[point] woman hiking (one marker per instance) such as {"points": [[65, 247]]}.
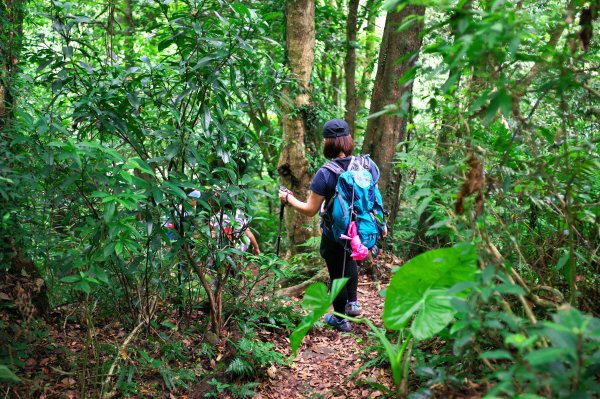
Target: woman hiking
{"points": [[338, 147]]}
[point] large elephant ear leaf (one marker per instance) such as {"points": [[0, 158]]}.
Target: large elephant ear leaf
{"points": [[422, 286], [434, 314]]}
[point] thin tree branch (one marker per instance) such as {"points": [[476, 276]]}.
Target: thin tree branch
{"points": [[111, 371]]}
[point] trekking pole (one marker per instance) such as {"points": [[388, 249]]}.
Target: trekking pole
{"points": [[279, 230], [352, 217]]}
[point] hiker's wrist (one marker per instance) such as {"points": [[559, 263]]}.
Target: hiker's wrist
{"points": [[284, 194]]}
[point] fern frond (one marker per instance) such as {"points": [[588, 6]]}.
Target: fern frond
{"points": [[243, 391], [239, 366]]}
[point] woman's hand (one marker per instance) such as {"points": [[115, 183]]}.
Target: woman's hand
{"points": [[308, 208], [284, 195]]}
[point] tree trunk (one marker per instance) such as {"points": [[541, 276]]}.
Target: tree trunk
{"points": [[335, 86], [11, 33], [128, 33], [385, 132], [368, 59], [449, 124], [293, 165], [350, 65]]}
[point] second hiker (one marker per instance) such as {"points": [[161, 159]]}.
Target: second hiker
{"points": [[338, 147]]}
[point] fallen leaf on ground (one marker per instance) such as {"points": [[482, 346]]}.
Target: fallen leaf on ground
{"points": [[68, 381]]}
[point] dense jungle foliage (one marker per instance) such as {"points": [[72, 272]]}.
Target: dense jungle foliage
{"points": [[112, 112]]}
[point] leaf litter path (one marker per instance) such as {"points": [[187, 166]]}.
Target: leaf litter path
{"points": [[327, 359]]}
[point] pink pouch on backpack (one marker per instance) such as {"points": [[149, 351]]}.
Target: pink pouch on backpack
{"points": [[359, 251]]}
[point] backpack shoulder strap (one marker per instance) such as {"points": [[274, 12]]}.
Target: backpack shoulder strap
{"points": [[356, 163], [337, 170], [367, 162], [334, 168]]}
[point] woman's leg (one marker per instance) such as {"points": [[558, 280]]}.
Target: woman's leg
{"points": [[334, 255]]}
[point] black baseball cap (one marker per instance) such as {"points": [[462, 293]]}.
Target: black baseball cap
{"points": [[335, 128]]}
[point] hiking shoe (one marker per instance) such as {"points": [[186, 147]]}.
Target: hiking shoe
{"points": [[352, 309], [337, 323], [375, 251]]}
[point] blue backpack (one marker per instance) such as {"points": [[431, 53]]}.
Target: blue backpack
{"points": [[358, 198]]}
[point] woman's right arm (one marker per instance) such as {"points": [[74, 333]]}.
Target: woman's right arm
{"points": [[308, 208]]}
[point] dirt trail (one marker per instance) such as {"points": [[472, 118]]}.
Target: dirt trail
{"points": [[327, 359]]}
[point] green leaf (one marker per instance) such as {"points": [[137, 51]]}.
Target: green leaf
{"points": [[422, 285], [336, 287], [423, 205], [206, 119], [71, 279], [496, 355], [512, 289], [492, 109], [520, 341], [113, 154], [562, 261], [67, 51], [133, 100], [165, 43], [87, 67], [174, 190], [149, 227], [241, 9], [441, 223], [99, 273], [300, 331], [44, 65], [7, 375], [423, 192], [84, 286], [315, 298], [505, 101], [544, 355], [450, 82], [109, 211], [394, 353], [435, 314], [478, 103], [119, 248], [513, 47], [91, 280], [108, 249], [158, 195], [168, 324], [142, 165], [202, 62]]}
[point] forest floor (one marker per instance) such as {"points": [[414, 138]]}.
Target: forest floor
{"points": [[329, 363], [334, 365], [57, 356], [64, 358]]}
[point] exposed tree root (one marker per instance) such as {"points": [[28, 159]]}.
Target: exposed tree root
{"points": [[298, 290]]}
